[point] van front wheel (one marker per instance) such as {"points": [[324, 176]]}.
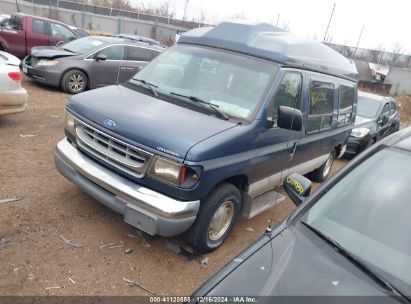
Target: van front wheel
{"points": [[319, 175], [216, 218]]}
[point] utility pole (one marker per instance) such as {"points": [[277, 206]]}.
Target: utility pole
{"points": [[329, 22], [185, 10], [358, 42], [278, 19]]}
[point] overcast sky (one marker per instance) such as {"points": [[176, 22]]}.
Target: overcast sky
{"points": [[385, 22]]}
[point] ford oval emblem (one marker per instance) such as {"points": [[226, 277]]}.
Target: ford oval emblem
{"points": [[109, 123]]}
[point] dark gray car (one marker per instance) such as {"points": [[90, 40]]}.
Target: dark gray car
{"points": [[88, 62], [377, 117], [350, 238]]}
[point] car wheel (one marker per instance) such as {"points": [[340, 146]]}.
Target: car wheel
{"points": [[74, 81], [216, 218], [319, 175]]}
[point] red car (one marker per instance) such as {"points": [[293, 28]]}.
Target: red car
{"points": [[24, 32]]}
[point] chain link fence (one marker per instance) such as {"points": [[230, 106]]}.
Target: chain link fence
{"points": [[107, 11]]}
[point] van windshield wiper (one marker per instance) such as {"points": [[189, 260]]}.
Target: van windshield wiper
{"points": [[358, 262], [148, 85], [209, 104]]}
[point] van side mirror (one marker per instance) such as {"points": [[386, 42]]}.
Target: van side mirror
{"points": [[101, 57], [290, 118], [297, 187]]}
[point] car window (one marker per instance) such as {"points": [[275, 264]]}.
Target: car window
{"points": [[386, 110], [345, 101], [60, 31], [113, 52], [16, 22], [321, 106], [288, 93], [393, 108], [135, 53], [367, 212], [40, 27]]}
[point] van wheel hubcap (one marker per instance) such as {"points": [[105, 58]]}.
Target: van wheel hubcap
{"points": [[221, 220], [76, 82], [328, 165]]}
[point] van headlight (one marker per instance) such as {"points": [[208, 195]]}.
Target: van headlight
{"points": [[360, 132], [174, 173], [69, 126]]}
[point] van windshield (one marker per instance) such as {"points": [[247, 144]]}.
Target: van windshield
{"points": [[236, 84]]}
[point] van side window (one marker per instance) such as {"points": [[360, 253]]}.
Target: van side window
{"points": [[40, 27], [345, 101], [288, 93], [321, 106]]}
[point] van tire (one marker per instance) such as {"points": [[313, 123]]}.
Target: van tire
{"points": [[201, 236], [319, 175], [71, 76]]}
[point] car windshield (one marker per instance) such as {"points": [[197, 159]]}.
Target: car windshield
{"points": [[367, 107], [368, 213], [82, 45], [235, 84]]}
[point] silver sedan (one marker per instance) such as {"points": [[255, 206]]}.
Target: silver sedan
{"points": [[12, 96]]}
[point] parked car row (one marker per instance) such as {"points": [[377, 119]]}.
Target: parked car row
{"points": [[206, 131]]}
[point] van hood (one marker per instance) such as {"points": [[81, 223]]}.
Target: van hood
{"points": [[50, 52], [295, 263], [146, 121]]}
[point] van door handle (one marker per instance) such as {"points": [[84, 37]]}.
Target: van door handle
{"points": [[294, 150]]}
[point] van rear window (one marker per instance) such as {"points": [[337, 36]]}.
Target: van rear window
{"points": [[321, 106]]}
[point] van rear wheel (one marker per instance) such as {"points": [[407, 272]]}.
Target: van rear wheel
{"points": [[216, 218], [319, 175]]}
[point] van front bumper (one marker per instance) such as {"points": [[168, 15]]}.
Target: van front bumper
{"points": [[149, 211]]}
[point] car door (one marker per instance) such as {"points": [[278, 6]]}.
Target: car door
{"points": [[135, 58], [106, 72], [280, 143], [394, 117], [40, 34], [15, 37], [384, 123]]}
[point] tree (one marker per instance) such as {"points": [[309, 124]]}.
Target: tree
{"points": [[397, 50]]}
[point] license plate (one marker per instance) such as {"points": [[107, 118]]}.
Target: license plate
{"points": [[139, 219], [25, 69]]}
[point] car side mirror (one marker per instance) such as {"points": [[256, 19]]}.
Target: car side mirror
{"points": [[101, 57], [383, 120], [297, 187], [289, 118]]}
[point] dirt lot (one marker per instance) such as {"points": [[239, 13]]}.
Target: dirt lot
{"points": [[34, 258]]}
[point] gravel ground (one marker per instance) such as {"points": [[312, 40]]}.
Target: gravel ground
{"points": [[32, 255]]}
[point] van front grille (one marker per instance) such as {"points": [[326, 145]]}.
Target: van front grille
{"points": [[130, 159]]}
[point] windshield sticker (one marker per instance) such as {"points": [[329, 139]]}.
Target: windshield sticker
{"points": [[96, 43]]}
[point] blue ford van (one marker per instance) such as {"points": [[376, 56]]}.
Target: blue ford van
{"points": [[207, 130]]}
